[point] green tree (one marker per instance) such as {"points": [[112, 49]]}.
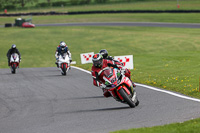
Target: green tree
{"points": [[17, 2], [49, 1], [101, 1]]}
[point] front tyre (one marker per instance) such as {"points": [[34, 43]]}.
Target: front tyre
{"points": [[63, 69], [13, 69], [126, 98]]}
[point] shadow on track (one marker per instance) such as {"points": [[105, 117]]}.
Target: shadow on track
{"points": [[93, 110], [87, 97]]}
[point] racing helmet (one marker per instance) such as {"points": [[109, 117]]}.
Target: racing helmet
{"points": [[97, 60], [13, 46], [104, 53], [62, 45]]}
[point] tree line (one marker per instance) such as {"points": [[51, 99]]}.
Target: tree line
{"points": [[12, 4]]}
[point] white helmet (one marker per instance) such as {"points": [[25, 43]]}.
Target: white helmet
{"points": [[62, 45], [13, 46]]}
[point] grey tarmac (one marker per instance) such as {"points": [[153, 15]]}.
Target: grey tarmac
{"points": [[41, 100]]}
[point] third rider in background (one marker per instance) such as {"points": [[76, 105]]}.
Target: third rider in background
{"points": [[12, 50]]}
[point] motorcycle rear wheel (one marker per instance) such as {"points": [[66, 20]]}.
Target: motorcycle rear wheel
{"points": [[126, 98]]}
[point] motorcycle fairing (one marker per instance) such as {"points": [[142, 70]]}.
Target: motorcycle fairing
{"points": [[14, 59]]}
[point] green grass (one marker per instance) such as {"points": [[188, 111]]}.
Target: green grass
{"points": [[163, 57], [192, 126], [139, 5]]}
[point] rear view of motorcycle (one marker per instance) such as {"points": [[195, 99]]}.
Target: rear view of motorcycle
{"points": [[64, 63], [120, 87], [14, 62]]}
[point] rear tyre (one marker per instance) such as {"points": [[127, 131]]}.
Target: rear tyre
{"points": [[126, 98], [13, 69], [64, 69]]}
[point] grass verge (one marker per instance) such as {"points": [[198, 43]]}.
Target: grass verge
{"points": [[191, 126]]}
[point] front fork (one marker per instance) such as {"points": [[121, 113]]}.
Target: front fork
{"points": [[12, 63], [129, 90]]}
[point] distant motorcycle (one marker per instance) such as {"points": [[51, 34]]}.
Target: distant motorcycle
{"points": [[14, 62], [64, 63], [119, 86]]}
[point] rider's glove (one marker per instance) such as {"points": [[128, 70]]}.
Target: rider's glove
{"points": [[102, 86], [123, 69], [70, 59]]}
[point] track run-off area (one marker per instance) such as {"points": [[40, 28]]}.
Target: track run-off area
{"points": [[41, 100]]}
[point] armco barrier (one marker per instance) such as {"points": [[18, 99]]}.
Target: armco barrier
{"points": [[8, 25], [100, 12]]}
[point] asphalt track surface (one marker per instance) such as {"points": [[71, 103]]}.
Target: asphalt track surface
{"points": [[41, 100], [143, 24]]}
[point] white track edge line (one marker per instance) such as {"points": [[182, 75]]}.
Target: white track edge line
{"points": [[152, 88]]}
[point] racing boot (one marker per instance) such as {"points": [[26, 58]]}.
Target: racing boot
{"points": [[57, 64], [133, 84], [106, 93]]}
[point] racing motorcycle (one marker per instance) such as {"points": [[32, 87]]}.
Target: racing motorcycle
{"points": [[14, 62], [64, 63], [119, 86]]}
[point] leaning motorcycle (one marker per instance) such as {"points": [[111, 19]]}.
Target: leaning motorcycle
{"points": [[64, 63], [119, 86], [14, 62]]}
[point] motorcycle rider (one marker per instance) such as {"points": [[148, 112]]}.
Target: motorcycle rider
{"points": [[98, 64], [104, 53], [61, 49], [12, 50]]}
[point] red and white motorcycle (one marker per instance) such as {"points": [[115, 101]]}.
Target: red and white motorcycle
{"points": [[64, 63], [14, 62], [119, 86]]}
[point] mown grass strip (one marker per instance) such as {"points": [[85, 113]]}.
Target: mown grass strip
{"points": [[146, 17], [136, 5]]}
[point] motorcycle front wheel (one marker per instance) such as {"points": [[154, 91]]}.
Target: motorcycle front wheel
{"points": [[13, 69], [64, 69], [126, 98]]}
